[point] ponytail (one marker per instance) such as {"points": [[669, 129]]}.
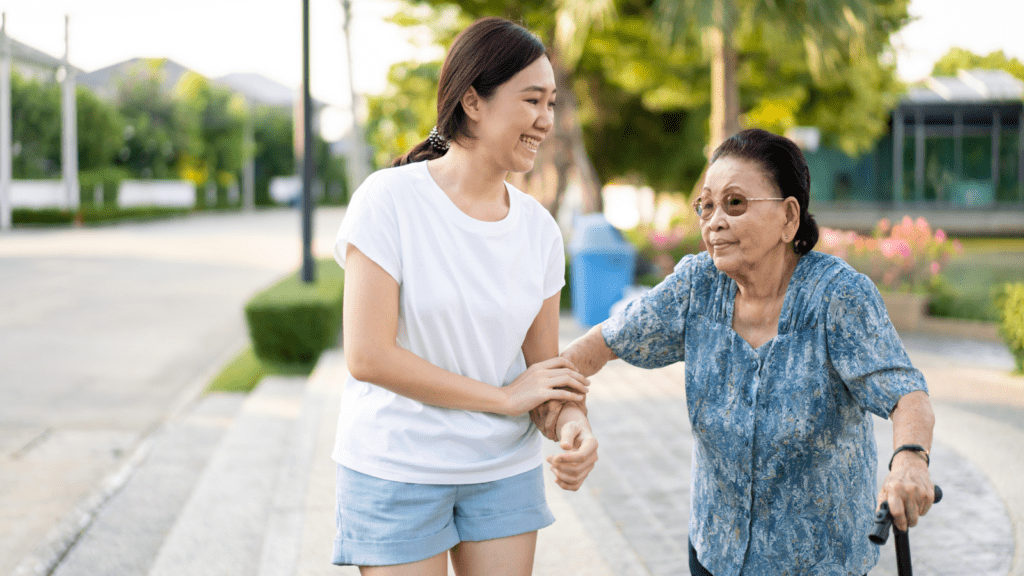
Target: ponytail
{"points": [[423, 151]]}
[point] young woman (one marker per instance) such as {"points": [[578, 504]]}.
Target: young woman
{"points": [[452, 283]]}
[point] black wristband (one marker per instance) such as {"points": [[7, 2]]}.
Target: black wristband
{"points": [[915, 448]]}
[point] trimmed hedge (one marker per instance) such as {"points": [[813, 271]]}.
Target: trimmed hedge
{"points": [[90, 215], [1010, 302], [291, 323]]}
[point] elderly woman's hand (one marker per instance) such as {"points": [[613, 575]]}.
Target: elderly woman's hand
{"points": [[573, 466], [545, 418], [908, 489]]}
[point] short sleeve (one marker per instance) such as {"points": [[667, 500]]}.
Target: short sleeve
{"points": [[371, 225], [651, 331], [554, 278], [864, 347]]}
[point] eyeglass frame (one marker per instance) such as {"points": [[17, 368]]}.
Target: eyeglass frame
{"points": [[717, 203]]}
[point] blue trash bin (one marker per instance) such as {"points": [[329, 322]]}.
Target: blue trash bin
{"points": [[602, 265]]}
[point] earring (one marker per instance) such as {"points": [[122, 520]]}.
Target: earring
{"points": [[437, 142]]}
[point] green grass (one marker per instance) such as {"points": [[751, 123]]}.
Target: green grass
{"points": [[970, 279], [241, 374], [245, 371]]}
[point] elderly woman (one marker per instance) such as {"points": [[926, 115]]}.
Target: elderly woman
{"points": [[787, 351]]}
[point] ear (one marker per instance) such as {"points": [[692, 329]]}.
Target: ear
{"points": [[471, 102], [792, 221]]}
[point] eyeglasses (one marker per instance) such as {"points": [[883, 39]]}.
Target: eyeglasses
{"points": [[734, 205]]}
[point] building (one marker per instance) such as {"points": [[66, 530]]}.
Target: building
{"points": [[958, 161]]}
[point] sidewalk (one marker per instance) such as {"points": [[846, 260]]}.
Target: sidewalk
{"points": [[246, 485]]}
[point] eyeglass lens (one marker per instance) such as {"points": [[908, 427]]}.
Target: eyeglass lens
{"points": [[733, 204]]}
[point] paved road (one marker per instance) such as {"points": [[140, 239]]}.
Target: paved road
{"points": [[106, 331]]}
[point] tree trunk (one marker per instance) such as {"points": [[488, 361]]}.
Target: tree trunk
{"points": [[571, 153], [725, 94]]}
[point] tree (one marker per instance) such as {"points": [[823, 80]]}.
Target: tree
{"points": [[221, 116], [35, 134], [160, 131], [832, 33], [100, 132], [960, 59], [275, 150], [644, 100]]}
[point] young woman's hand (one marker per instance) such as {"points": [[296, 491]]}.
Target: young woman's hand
{"points": [[553, 379]]}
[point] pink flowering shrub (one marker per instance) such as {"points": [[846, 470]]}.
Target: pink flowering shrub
{"points": [[662, 249], [905, 257]]}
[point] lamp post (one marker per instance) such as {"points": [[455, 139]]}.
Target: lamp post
{"points": [[69, 160], [356, 167], [5, 128], [307, 272]]}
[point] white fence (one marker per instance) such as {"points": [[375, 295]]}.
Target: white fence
{"points": [[173, 193], [51, 193], [38, 194]]}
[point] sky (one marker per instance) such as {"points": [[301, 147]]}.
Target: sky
{"points": [[219, 37]]}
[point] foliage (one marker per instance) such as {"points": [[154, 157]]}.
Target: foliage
{"points": [[275, 150], [291, 323], [960, 59], [36, 125], [402, 116], [241, 374], [644, 101], [220, 115], [1010, 302], [906, 257], [660, 250], [101, 132], [109, 177], [160, 131], [90, 215], [947, 301]]}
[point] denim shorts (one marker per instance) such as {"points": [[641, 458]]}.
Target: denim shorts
{"points": [[383, 523]]}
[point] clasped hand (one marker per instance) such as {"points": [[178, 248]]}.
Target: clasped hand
{"points": [[908, 489], [552, 379]]}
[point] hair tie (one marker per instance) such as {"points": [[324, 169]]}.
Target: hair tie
{"points": [[437, 142]]}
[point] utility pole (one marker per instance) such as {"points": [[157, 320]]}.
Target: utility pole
{"points": [[69, 135], [357, 166], [249, 158], [308, 273], [5, 128]]}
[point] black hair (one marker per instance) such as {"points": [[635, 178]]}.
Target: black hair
{"points": [[485, 55], [786, 167]]}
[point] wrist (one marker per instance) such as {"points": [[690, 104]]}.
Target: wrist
{"points": [[909, 453]]}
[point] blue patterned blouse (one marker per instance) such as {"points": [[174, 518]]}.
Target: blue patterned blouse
{"points": [[783, 471]]}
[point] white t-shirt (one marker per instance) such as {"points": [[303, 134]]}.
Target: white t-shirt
{"points": [[468, 292]]}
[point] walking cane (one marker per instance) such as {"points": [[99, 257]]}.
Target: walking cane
{"points": [[880, 533]]}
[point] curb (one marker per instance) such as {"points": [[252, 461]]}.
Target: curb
{"points": [[48, 555]]}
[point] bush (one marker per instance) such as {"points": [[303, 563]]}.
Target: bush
{"points": [[1010, 302], [90, 215], [659, 251], [905, 257], [109, 178], [291, 323]]}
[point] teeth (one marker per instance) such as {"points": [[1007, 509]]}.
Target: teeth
{"points": [[530, 143]]}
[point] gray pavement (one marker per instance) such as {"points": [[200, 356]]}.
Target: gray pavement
{"points": [[105, 333]]}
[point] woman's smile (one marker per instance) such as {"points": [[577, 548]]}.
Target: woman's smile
{"points": [[530, 143]]}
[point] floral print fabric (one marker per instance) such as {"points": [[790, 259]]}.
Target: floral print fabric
{"points": [[784, 458]]}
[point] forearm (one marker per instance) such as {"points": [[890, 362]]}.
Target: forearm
{"points": [[913, 422], [406, 374], [589, 353]]}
